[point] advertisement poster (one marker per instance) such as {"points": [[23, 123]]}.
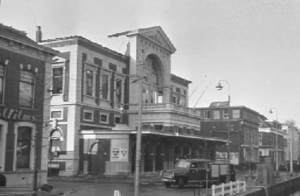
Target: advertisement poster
{"points": [[234, 157], [119, 154]]}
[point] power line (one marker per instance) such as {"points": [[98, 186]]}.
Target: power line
{"points": [[197, 87]]}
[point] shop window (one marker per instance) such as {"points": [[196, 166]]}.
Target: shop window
{"points": [[56, 139], [88, 115], [2, 79], [104, 87], [24, 138], [57, 87], [26, 89], [89, 83]]}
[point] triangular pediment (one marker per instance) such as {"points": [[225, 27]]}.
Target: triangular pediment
{"points": [[157, 35]]}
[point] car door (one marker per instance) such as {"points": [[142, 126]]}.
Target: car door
{"points": [[193, 171], [202, 170]]}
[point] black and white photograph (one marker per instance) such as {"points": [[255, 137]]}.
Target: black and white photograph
{"points": [[149, 98]]}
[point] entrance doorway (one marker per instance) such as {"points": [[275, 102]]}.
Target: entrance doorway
{"points": [[99, 154]]}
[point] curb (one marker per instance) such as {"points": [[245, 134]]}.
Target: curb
{"points": [[143, 182]]}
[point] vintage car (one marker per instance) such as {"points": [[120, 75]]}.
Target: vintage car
{"points": [[198, 171]]}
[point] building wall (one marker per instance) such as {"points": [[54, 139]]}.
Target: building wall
{"points": [[239, 124], [82, 55], [15, 57]]}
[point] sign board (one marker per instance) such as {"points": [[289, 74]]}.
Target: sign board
{"points": [[119, 154]]}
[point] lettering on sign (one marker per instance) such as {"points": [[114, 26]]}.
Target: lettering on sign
{"points": [[15, 114]]}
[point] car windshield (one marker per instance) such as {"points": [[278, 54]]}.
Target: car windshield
{"points": [[182, 164]]}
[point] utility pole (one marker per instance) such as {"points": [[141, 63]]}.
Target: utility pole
{"points": [[139, 131]]}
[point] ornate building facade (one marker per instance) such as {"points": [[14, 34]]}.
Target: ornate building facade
{"points": [[96, 102]]}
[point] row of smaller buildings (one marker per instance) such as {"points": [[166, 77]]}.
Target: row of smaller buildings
{"points": [[251, 136], [71, 106]]}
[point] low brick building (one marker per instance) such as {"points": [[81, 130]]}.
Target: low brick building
{"points": [[24, 108]]}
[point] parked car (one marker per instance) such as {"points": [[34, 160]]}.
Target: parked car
{"points": [[198, 171]]}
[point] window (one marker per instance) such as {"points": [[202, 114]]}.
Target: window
{"points": [[174, 99], [225, 114], [117, 119], [56, 114], [104, 87], [145, 95], [158, 127], [104, 118], [1, 83], [260, 139], [23, 148], [88, 115], [216, 114], [118, 91], [235, 113], [207, 114], [89, 83], [57, 80], [26, 89]]}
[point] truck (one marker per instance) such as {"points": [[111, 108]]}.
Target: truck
{"points": [[203, 172]]}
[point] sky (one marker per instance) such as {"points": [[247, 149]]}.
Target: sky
{"points": [[252, 46]]}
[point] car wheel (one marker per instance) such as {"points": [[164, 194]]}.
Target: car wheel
{"points": [[180, 183], [167, 184]]}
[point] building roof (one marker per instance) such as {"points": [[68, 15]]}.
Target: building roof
{"points": [[21, 37], [76, 39], [155, 34], [180, 80], [219, 104]]}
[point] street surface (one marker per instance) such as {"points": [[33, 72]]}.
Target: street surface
{"points": [[126, 189]]}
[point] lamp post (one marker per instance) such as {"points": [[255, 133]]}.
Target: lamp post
{"points": [[276, 138], [139, 131], [220, 87]]}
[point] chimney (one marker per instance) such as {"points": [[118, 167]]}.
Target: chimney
{"points": [[38, 35]]}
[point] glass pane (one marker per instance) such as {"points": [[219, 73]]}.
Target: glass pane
{"points": [[23, 147], [89, 82], [118, 91], [57, 80], [88, 116], [104, 86], [26, 92], [56, 114]]}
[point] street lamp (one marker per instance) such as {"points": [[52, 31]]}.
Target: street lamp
{"points": [[271, 111], [220, 87]]}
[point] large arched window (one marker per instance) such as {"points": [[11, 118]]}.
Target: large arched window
{"points": [[151, 79]]}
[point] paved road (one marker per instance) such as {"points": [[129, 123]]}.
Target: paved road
{"points": [[126, 189]]}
